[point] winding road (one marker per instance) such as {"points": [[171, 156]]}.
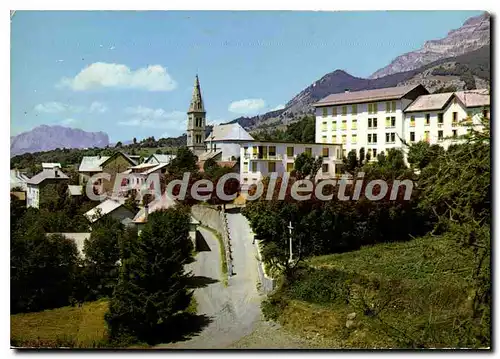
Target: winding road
{"points": [[234, 311]]}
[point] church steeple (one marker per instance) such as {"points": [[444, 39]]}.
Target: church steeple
{"points": [[196, 101], [196, 121]]}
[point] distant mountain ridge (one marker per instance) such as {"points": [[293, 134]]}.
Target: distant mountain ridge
{"points": [[45, 138], [472, 35]]}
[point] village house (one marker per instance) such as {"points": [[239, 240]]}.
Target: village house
{"points": [[44, 184], [110, 207], [112, 165]]}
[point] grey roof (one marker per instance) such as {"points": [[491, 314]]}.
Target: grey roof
{"points": [[50, 165], [165, 201], [78, 238], [18, 179], [474, 98], [389, 93], [46, 174], [92, 163], [230, 132], [105, 207], [430, 102], [75, 190], [160, 158], [156, 168], [208, 154]]}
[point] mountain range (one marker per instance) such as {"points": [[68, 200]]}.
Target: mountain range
{"points": [[45, 138], [459, 61]]}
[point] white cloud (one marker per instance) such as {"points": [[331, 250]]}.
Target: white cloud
{"points": [[56, 107], [97, 107], [68, 121], [279, 107], [248, 106], [101, 74], [158, 118]]}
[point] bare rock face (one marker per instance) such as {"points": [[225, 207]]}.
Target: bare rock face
{"points": [[45, 138], [473, 34]]}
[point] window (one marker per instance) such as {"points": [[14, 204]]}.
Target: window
{"points": [[485, 113], [334, 139], [387, 106], [427, 119], [372, 123], [372, 108], [289, 167], [334, 111], [245, 150], [374, 138], [334, 125], [326, 152], [325, 111], [412, 121], [369, 139], [354, 138], [393, 106], [426, 136], [440, 135], [344, 139], [272, 150], [344, 110], [354, 124], [254, 166], [374, 153], [440, 118], [454, 133], [344, 124], [390, 137], [245, 166], [289, 150], [354, 109], [308, 151], [324, 168], [412, 136], [271, 167], [324, 126], [393, 137], [390, 122], [323, 139], [455, 117]]}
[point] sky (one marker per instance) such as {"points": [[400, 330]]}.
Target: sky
{"points": [[131, 73]]}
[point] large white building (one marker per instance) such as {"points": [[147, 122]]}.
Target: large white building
{"points": [[442, 118], [371, 119], [259, 159], [378, 120]]}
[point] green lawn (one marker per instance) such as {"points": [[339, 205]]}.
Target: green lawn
{"points": [[80, 327], [411, 294]]}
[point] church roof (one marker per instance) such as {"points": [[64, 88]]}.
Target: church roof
{"points": [[230, 132], [196, 101]]}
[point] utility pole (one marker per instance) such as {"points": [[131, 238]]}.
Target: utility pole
{"points": [[290, 230]]}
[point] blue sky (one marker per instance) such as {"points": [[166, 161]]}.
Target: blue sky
{"points": [[131, 73]]}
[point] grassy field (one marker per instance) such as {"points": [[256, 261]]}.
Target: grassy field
{"points": [[80, 327], [404, 295], [74, 327], [148, 151]]}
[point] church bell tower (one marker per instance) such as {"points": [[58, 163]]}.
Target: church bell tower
{"points": [[196, 121]]}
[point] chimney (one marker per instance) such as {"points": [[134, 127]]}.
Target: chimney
{"points": [[346, 91], [56, 174], [146, 212]]}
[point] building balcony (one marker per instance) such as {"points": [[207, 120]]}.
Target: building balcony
{"points": [[262, 157]]}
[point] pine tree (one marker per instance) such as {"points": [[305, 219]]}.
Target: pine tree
{"points": [[152, 287]]}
